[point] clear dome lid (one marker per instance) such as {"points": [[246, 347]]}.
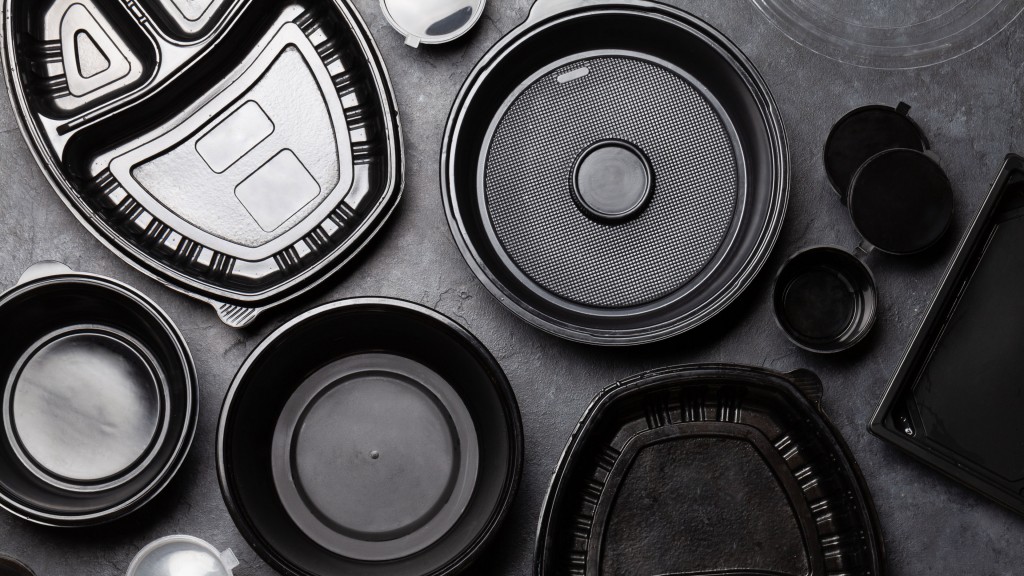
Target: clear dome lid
{"points": [[887, 34], [432, 21]]}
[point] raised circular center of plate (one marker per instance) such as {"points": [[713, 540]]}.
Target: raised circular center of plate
{"points": [[85, 406], [375, 457], [820, 304], [613, 181], [390, 458]]}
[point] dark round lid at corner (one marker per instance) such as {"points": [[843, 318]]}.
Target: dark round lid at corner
{"points": [[901, 201], [862, 134], [375, 457], [825, 300]]}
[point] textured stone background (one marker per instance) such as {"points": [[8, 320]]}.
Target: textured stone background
{"points": [[971, 108]]}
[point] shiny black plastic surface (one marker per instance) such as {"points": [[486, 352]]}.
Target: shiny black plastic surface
{"points": [[957, 400], [708, 470], [370, 437], [825, 300], [99, 400]]}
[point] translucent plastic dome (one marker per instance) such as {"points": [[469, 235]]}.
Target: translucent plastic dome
{"points": [[889, 34]]}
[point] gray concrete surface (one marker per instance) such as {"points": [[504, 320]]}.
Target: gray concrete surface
{"points": [[971, 108]]}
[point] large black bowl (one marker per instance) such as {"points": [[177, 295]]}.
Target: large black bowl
{"points": [[366, 437], [653, 274]]}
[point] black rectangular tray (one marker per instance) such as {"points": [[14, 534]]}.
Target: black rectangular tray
{"points": [[957, 400]]}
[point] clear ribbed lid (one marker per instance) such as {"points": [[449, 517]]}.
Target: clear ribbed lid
{"points": [[891, 34]]}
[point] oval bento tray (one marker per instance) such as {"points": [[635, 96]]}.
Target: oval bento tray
{"points": [[238, 151], [711, 469]]}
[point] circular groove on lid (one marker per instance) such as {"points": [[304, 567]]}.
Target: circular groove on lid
{"points": [[613, 181], [86, 406]]}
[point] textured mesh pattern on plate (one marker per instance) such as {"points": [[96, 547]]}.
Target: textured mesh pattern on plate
{"points": [[528, 182]]}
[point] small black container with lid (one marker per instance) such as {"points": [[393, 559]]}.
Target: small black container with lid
{"points": [[901, 203]]}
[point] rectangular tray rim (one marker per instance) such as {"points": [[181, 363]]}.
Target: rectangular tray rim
{"points": [[922, 341]]}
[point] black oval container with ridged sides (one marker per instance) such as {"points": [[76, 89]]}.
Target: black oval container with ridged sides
{"points": [[709, 470], [615, 172], [238, 151], [367, 437]]}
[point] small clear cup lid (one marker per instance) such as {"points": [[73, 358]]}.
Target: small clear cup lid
{"points": [[432, 21], [182, 556]]}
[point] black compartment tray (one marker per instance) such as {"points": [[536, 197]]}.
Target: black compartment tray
{"points": [[237, 150]]}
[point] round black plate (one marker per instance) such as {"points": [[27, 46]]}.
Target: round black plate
{"points": [[612, 212], [825, 300]]}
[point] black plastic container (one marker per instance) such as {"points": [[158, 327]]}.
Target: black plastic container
{"points": [[611, 212], [826, 300], [901, 203], [863, 133], [370, 436], [100, 398], [957, 398], [712, 469]]}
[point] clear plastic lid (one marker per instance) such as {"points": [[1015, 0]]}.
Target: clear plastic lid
{"points": [[182, 556], [432, 21], [888, 33]]}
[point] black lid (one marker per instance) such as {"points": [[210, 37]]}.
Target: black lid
{"points": [[862, 134], [901, 201]]}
